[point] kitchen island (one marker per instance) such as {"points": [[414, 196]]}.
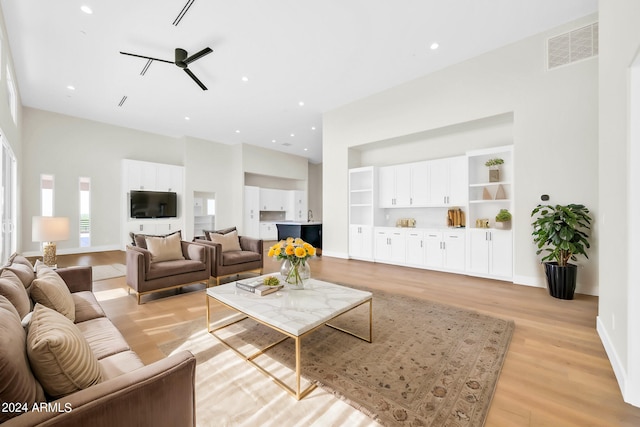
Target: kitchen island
{"points": [[310, 232]]}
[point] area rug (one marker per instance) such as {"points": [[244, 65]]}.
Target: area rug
{"points": [[429, 364], [104, 272]]}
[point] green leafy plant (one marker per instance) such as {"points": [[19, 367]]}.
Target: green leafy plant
{"points": [[503, 216], [494, 162], [560, 231]]}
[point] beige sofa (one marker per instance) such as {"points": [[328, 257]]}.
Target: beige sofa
{"points": [[66, 364]]}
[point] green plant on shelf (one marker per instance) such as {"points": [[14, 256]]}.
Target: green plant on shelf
{"points": [[494, 162]]}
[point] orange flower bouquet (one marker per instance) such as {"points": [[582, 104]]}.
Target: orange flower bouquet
{"points": [[295, 253]]}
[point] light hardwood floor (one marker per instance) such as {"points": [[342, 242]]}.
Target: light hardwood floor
{"points": [[556, 372]]}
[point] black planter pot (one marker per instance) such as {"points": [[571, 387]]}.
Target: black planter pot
{"points": [[561, 280]]}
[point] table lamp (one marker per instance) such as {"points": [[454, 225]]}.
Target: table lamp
{"points": [[48, 230]]}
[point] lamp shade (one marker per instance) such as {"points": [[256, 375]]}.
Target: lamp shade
{"points": [[49, 229]]}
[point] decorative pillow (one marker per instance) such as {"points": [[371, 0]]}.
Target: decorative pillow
{"points": [[60, 356], [23, 271], [221, 231], [11, 287], [229, 241], [165, 248], [140, 239], [17, 383], [51, 291]]}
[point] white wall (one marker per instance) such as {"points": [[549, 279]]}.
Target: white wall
{"points": [[555, 135], [69, 147], [619, 317]]}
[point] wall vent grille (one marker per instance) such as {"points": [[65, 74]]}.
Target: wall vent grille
{"points": [[573, 46]]}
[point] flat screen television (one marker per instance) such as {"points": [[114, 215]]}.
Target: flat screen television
{"points": [[153, 204]]}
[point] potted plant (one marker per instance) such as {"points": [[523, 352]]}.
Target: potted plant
{"points": [[503, 219], [494, 169], [560, 232]]}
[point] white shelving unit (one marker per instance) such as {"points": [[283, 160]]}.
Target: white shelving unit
{"points": [[362, 210]]}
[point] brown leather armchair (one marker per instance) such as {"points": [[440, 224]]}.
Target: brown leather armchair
{"points": [[231, 260]]}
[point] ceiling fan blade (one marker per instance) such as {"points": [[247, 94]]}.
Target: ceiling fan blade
{"points": [[195, 79], [147, 57], [198, 55]]}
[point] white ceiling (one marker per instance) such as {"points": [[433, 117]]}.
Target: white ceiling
{"points": [[325, 53]]}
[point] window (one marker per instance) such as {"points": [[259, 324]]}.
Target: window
{"points": [[85, 212], [8, 174], [13, 96], [211, 206], [46, 195]]}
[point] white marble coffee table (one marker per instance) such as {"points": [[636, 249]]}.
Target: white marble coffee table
{"points": [[293, 313]]}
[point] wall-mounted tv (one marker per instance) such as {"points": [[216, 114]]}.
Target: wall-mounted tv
{"points": [[153, 204]]}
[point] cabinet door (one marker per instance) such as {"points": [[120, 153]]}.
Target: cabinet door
{"points": [[403, 186], [360, 242], [252, 211], [438, 182], [415, 248], [433, 249], [478, 253], [458, 188], [382, 246], [398, 246], [501, 263], [454, 245], [386, 186], [420, 184]]}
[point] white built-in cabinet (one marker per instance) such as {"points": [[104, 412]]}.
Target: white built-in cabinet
{"points": [[291, 203], [490, 252], [389, 244], [149, 176], [432, 183], [460, 181], [362, 211]]}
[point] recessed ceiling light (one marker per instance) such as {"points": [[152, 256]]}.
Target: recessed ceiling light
{"points": [[71, 87], [293, 134], [237, 130], [187, 118], [301, 104], [313, 128], [306, 149], [86, 9], [245, 78], [434, 46], [273, 140]]}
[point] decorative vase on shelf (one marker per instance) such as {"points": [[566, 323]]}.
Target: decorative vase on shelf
{"points": [[494, 174], [296, 274]]}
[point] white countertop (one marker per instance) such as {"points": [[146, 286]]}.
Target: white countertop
{"points": [[293, 311], [298, 222]]}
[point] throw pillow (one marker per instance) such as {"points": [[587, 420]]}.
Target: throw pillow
{"points": [[23, 271], [140, 239], [51, 291], [60, 356], [165, 248], [11, 287], [228, 230], [17, 383], [229, 241]]}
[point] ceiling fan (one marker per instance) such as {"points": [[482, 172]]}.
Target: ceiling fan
{"points": [[181, 60]]}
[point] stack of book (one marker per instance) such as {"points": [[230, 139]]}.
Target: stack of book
{"points": [[257, 287]]}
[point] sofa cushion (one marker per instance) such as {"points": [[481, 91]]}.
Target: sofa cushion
{"points": [[11, 287], [139, 239], [119, 363], [239, 257], [87, 306], [17, 382], [173, 268], [51, 291], [23, 271], [60, 357], [165, 248], [230, 241], [103, 337]]}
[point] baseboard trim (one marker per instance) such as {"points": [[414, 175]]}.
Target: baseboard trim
{"points": [[618, 369], [333, 254]]}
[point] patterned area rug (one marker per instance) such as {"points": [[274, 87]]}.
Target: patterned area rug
{"points": [[429, 364]]}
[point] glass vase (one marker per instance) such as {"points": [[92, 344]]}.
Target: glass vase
{"points": [[296, 274]]}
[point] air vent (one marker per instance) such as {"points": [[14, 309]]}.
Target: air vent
{"points": [[122, 101], [286, 144], [576, 45]]}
